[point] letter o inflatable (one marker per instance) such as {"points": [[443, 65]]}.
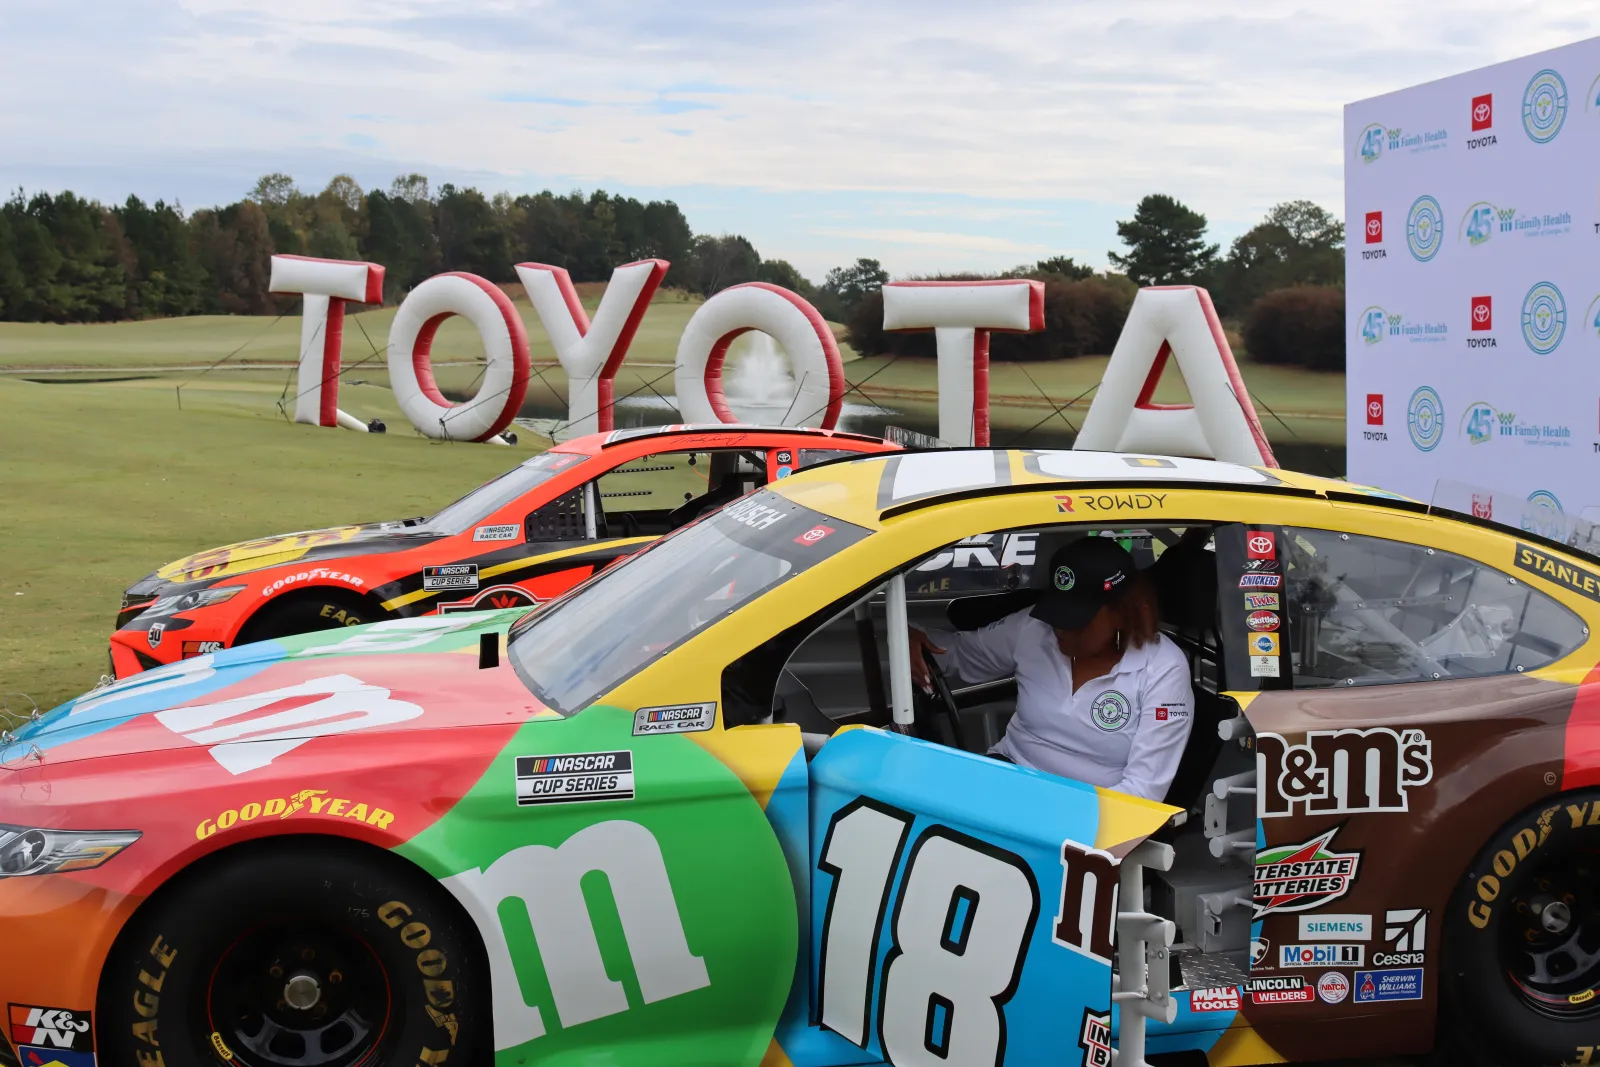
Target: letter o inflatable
{"points": [[790, 321], [505, 345]]}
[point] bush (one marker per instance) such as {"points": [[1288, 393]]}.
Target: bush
{"points": [[1302, 327], [1080, 318]]}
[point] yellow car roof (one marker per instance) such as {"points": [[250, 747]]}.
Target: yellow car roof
{"points": [[867, 491]]}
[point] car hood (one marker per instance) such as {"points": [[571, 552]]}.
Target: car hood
{"points": [[306, 545], [245, 704]]}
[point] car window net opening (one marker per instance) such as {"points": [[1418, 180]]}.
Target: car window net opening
{"points": [[588, 642], [493, 495], [1368, 611]]}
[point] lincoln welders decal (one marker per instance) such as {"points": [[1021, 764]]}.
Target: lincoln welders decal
{"points": [[573, 777], [1303, 877]]}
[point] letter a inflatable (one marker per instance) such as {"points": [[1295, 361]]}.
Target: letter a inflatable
{"points": [[1175, 320]]}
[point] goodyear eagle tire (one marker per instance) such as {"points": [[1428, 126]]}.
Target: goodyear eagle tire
{"points": [[1522, 941], [306, 614], [313, 953]]}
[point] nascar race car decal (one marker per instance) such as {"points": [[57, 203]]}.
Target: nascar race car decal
{"points": [[657, 822]]}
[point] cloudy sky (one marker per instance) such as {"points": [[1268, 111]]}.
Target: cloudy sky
{"points": [[929, 134]]}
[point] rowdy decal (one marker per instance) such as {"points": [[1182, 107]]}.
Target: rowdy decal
{"points": [[1336, 772], [1405, 933], [577, 776], [249, 732], [51, 1028], [450, 576], [1524, 842], [675, 719], [308, 801], [1303, 877], [1111, 501]]}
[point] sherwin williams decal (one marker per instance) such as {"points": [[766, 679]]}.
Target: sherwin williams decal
{"points": [[684, 888], [1302, 877], [1377, 986], [579, 776]]}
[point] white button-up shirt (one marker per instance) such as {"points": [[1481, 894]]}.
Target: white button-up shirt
{"points": [[1124, 731]]}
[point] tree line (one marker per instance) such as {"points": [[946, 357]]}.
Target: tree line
{"points": [[64, 258]]}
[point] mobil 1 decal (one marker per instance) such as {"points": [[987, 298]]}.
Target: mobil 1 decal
{"points": [[1338, 772], [573, 777]]}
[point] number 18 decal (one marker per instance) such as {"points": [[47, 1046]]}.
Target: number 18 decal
{"points": [[959, 934]]}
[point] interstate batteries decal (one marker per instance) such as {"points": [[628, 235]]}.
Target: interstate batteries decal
{"points": [[1302, 877], [574, 777]]}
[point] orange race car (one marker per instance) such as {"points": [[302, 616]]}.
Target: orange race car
{"points": [[520, 539]]}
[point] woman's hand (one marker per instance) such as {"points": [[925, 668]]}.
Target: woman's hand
{"points": [[919, 666]]}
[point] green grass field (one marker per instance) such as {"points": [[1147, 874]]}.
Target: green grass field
{"points": [[103, 481]]}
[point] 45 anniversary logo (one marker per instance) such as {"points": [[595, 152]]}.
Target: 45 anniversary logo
{"points": [[1337, 772]]}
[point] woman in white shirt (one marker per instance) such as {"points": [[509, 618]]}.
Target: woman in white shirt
{"points": [[1103, 696]]}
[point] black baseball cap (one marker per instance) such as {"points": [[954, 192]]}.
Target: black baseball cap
{"points": [[1083, 576]]}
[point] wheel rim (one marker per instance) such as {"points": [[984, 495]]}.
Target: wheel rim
{"points": [[298, 994], [1550, 948]]}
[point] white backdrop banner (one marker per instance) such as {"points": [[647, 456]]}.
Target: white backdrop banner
{"points": [[1472, 281]]}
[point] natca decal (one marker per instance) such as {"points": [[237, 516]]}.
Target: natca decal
{"points": [[573, 777], [1333, 988], [51, 1029], [1303, 877], [450, 576], [1381, 767], [675, 719], [1094, 1037], [304, 801], [492, 598]]}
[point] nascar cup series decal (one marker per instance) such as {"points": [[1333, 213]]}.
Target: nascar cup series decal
{"points": [[675, 719], [573, 777], [451, 576]]}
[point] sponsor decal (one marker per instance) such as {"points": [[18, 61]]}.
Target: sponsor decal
{"points": [[1482, 113], [315, 574], [813, 535], [1336, 954], [248, 732], [51, 1028], [752, 514], [1279, 989], [675, 719], [200, 648], [1424, 228], [156, 632], [1379, 767], [1523, 844], [1482, 316], [1375, 417], [450, 576], [785, 456], [1172, 713], [1260, 581], [1259, 947], [507, 532], [1260, 544], [1482, 423], [1094, 1038], [1265, 566], [1265, 667], [1544, 318], [1376, 986], [784, 471], [39, 1056], [1483, 222], [303, 802], [1482, 506], [1405, 935], [1262, 601], [1303, 877], [1580, 580], [1110, 711], [1324, 927], [1223, 998], [1333, 987], [1378, 324], [1425, 419], [1066, 502], [1262, 620], [1089, 877], [494, 598], [1263, 644], [1544, 109], [573, 777], [1374, 233], [1376, 139]]}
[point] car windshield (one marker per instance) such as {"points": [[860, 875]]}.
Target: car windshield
{"points": [[491, 496], [585, 644]]}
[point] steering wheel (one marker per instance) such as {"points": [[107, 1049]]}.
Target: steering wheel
{"points": [[942, 701]]}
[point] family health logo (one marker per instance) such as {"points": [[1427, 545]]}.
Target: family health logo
{"points": [[1482, 423], [1424, 228], [1376, 139], [1544, 318], [1544, 106], [1483, 221], [1425, 419], [1377, 324]]}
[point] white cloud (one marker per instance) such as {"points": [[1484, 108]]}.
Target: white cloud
{"points": [[983, 114]]}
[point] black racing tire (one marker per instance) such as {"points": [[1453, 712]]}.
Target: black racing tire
{"points": [[1521, 975], [315, 952], [306, 613]]}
